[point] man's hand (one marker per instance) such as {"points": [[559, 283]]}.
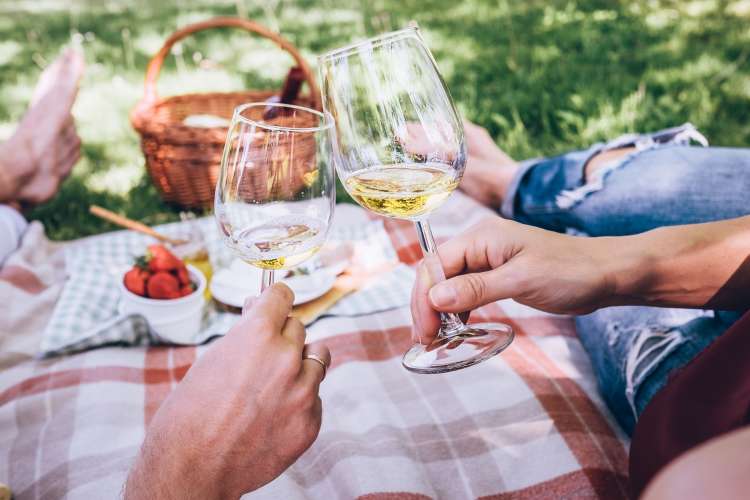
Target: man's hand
{"points": [[245, 411], [498, 259]]}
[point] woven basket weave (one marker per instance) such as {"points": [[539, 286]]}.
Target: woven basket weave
{"points": [[183, 161]]}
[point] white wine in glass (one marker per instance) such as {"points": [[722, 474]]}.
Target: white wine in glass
{"points": [[402, 191], [398, 146], [276, 192]]}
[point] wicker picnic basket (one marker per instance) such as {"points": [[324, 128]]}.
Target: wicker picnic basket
{"points": [[183, 161]]}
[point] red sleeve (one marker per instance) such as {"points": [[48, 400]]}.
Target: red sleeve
{"points": [[708, 397]]}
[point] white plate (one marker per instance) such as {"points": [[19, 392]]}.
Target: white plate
{"points": [[233, 285], [310, 287]]}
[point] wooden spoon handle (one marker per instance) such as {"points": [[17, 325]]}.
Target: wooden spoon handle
{"points": [[132, 224]]}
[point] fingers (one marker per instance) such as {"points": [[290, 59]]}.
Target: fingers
{"points": [[426, 321], [471, 251], [271, 309], [425, 314], [248, 305], [456, 256], [313, 370], [294, 332], [469, 291]]}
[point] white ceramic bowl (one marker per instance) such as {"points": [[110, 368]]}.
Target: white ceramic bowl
{"points": [[175, 320]]}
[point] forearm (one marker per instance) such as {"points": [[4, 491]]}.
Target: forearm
{"points": [[698, 265]]}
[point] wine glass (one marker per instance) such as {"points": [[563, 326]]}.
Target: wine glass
{"points": [[276, 191], [398, 146]]}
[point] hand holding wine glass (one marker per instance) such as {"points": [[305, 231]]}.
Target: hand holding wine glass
{"points": [[398, 147]]}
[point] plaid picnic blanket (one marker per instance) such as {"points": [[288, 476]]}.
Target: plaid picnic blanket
{"points": [[526, 424]]}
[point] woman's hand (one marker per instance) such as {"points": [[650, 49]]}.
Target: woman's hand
{"points": [[245, 411], [498, 259], [696, 265]]}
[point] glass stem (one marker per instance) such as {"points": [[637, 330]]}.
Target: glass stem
{"points": [[450, 323], [269, 278]]}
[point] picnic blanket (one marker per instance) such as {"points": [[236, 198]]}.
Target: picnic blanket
{"points": [[528, 423], [86, 314], [30, 284]]}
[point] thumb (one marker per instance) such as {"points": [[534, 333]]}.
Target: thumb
{"points": [[248, 305], [470, 291]]}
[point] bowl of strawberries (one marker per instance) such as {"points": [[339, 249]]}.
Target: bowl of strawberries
{"points": [[167, 292]]}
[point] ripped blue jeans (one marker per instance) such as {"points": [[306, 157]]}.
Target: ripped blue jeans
{"points": [[665, 181]]}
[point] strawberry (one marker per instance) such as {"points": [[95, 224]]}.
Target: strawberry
{"points": [[135, 280], [162, 285], [183, 276], [186, 290], [162, 259]]}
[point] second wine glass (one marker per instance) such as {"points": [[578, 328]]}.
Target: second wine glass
{"points": [[276, 193], [398, 147]]}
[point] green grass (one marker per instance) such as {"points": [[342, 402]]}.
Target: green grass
{"points": [[543, 76]]}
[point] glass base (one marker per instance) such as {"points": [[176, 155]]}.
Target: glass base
{"points": [[471, 345]]}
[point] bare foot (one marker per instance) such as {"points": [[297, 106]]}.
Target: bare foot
{"points": [[45, 146], [488, 169]]}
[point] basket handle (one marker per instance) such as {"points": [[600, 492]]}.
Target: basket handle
{"points": [[154, 66]]}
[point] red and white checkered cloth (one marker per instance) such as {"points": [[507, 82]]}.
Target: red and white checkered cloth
{"points": [[525, 424]]}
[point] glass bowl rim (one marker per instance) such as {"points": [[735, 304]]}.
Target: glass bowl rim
{"points": [[374, 41], [327, 123]]}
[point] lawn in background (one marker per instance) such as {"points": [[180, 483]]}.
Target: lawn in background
{"points": [[543, 76]]}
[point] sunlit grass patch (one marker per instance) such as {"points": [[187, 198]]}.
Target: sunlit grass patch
{"points": [[542, 76]]}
